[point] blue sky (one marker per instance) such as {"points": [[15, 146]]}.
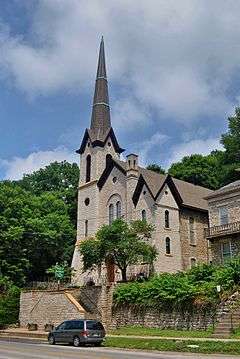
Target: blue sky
{"points": [[173, 70]]}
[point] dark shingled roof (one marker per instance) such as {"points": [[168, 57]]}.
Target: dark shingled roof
{"points": [[228, 188], [192, 196]]}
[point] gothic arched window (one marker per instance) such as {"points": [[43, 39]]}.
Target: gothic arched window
{"points": [[86, 228], [88, 168], [111, 213], [119, 209], [144, 215], [108, 159], [168, 245], [167, 219]]}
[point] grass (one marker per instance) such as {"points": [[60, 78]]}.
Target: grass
{"points": [[236, 333], [171, 333], [207, 347]]}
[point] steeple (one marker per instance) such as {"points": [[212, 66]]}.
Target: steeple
{"points": [[100, 129], [100, 121]]}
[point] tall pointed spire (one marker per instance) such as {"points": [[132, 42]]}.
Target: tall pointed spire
{"points": [[100, 121]]}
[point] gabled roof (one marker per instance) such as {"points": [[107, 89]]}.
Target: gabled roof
{"points": [[110, 165], [99, 139], [186, 194]]}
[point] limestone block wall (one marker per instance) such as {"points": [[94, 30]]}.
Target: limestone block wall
{"points": [[153, 318], [200, 250], [46, 306]]}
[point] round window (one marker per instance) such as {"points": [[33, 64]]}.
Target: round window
{"points": [[144, 192], [87, 201], [109, 144], [114, 179]]}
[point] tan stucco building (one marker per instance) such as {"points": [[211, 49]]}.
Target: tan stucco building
{"points": [[111, 188], [224, 220]]}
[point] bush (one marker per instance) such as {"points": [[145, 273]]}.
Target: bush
{"points": [[192, 289], [9, 303]]}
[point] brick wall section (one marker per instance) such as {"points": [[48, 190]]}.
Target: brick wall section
{"points": [[153, 318], [44, 306], [200, 250]]}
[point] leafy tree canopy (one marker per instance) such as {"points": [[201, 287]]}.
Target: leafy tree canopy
{"points": [[124, 243], [156, 168], [198, 169], [35, 232], [231, 139], [59, 177]]}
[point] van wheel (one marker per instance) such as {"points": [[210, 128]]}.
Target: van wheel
{"points": [[98, 344], [51, 340], [76, 342]]}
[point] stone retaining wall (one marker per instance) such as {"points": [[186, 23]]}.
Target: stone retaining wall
{"points": [[153, 318], [46, 306]]}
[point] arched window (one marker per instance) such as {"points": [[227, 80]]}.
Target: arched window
{"points": [[144, 216], [168, 245], [108, 159], [111, 213], [88, 168], [167, 219], [193, 262], [119, 209], [86, 228]]}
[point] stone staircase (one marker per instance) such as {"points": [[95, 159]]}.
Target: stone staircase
{"points": [[229, 317]]}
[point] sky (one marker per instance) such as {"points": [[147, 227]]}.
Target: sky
{"points": [[173, 72]]}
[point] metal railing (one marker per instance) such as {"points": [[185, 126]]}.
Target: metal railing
{"points": [[222, 230]]}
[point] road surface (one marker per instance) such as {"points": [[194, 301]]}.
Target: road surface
{"points": [[26, 350]]}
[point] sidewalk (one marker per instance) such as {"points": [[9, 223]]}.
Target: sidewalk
{"points": [[40, 334]]}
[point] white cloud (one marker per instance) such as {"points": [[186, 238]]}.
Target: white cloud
{"points": [[203, 147], [145, 148], [17, 166], [179, 57], [128, 113]]}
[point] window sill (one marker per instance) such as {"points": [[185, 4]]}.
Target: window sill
{"points": [[167, 228], [168, 255], [193, 244]]}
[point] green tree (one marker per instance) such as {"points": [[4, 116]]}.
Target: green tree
{"points": [[198, 169], [124, 243], [59, 177], [35, 233], [156, 168], [231, 139]]}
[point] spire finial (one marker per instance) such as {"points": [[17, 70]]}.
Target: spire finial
{"points": [[100, 121]]}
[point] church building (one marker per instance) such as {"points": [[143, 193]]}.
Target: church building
{"points": [[111, 188]]}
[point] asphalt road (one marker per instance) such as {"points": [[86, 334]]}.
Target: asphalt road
{"points": [[25, 350]]}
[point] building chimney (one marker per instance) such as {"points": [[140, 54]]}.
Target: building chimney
{"points": [[132, 164]]}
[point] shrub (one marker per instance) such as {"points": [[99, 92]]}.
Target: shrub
{"points": [[193, 289], [9, 303]]}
